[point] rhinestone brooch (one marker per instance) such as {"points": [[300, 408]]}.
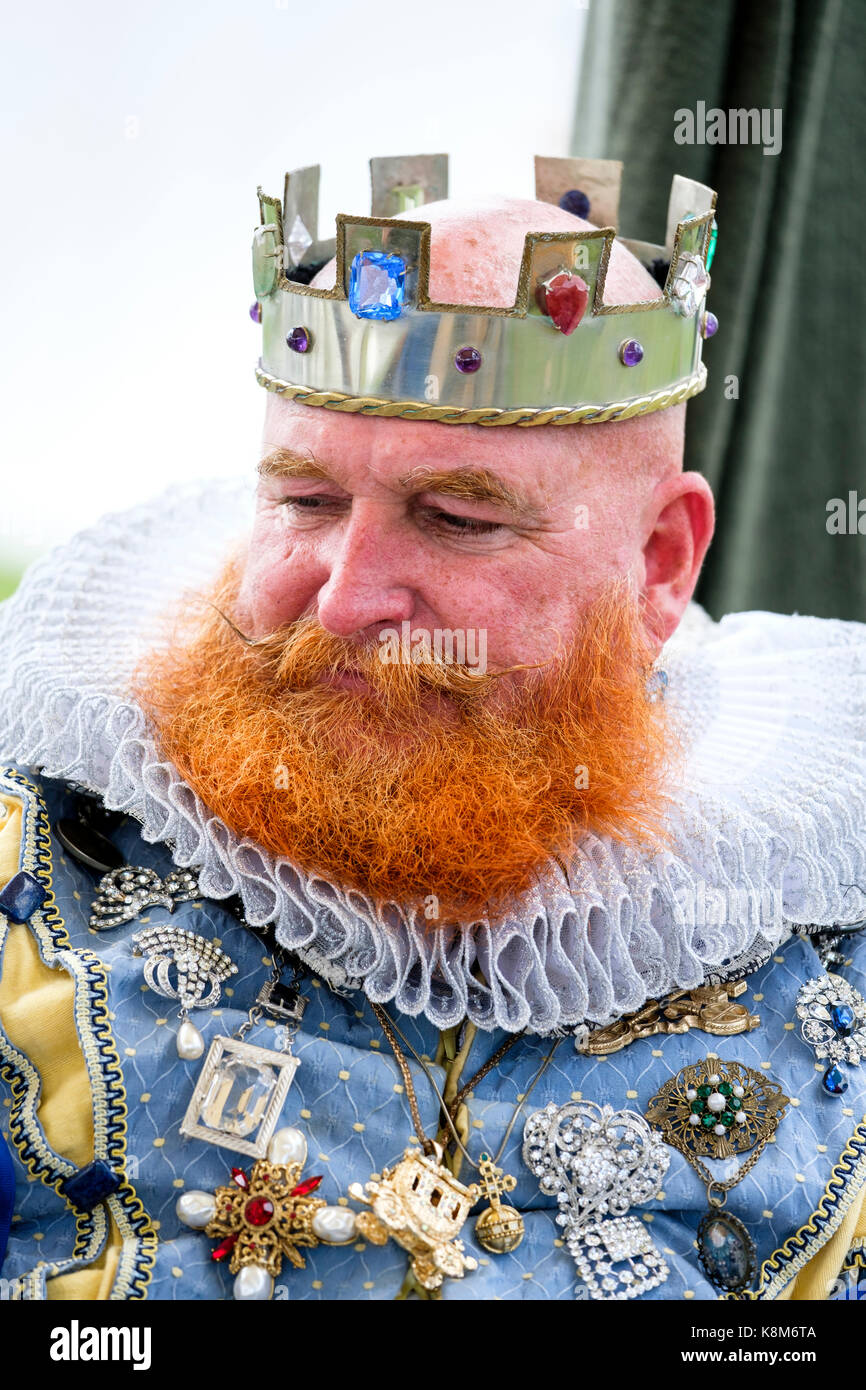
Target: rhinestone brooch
{"points": [[832, 1018], [598, 1162]]}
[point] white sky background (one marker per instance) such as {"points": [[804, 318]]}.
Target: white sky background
{"points": [[134, 136]]}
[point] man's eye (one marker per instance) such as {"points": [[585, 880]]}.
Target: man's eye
{"points": [[464, 525], [311, 504]]}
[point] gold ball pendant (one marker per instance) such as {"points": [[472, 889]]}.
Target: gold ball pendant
{"points": [[499, 1230]]}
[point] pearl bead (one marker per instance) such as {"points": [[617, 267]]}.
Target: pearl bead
{"points": [[691, 1093], [714, 1080], [253, 1284], [694, 1119], [195, 1209], [716, 1103], [719, 1129], [288, 1146], [190, 1043], [334, 1225], [741, 1119], [739, 1091]]}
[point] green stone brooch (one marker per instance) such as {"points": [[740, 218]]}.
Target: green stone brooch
{"points": [[714, 1109]]}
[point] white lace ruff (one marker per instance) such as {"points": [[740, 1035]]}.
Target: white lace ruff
{"points": [[769, 830]]}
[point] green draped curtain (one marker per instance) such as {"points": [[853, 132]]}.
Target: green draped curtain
{"points": [[788, 276]]}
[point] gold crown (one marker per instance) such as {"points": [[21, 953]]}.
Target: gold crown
{"points": [[376, 344]]}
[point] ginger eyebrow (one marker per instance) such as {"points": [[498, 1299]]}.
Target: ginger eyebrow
{"points": [[285, 463], [472, 485], [466, 484]]}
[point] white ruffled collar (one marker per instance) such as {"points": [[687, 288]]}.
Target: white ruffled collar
{"points": [[768, 833]]}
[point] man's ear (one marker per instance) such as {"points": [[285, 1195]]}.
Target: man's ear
{"points": [[679, 530]]}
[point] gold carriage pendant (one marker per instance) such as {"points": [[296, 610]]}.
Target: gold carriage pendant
{"points": [[422, 1207]]}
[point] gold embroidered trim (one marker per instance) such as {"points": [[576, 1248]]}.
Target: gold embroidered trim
{"points": [[846, 1183]]}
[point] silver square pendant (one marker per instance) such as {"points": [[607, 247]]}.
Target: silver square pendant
{"points": [[239, 1095]]}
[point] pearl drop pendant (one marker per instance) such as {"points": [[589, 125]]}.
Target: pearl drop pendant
{"points": [[253, 1284], [190, 1043]]}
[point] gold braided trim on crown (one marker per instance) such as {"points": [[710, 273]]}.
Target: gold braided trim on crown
{"points": [[480, 415]]}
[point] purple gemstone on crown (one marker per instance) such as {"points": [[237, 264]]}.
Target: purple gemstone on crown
{"points": [[630, 352], [467, 359], [256, 312], [298, 340], [576, 201], [709, 325]]}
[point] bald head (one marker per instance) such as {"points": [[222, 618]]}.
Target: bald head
{"points": [[475, 254], [476, 249]]}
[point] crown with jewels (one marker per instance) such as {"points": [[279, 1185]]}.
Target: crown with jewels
{"points": [[376, 343]]}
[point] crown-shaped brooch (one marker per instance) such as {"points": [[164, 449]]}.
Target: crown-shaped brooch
{"points": [[376, 343]]}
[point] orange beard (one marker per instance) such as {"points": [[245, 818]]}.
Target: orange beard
{"points": [[427, 788]]}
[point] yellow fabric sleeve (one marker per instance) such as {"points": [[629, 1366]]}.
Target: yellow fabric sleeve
{"points": [[37, 1009]]}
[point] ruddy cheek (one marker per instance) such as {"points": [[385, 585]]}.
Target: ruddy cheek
{"points": [[285, 588]]}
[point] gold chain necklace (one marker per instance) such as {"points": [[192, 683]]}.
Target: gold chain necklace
{"points": [[499, 1228]]}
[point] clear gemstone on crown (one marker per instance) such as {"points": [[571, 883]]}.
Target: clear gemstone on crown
{"points": [[298, 242]]}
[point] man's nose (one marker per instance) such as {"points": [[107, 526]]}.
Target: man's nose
{"points": [[367, 584]]}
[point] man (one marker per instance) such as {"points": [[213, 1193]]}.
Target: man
{"points": [[428, 729]]}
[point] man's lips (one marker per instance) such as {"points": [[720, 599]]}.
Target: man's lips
{"points": [[346, 680]]}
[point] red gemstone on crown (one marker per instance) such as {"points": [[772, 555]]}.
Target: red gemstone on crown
{"points": [[224, 1248], [240, 1177], [303, 1189], [564, 299], [258, 1211]]}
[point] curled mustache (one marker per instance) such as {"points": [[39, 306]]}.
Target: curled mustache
{"points": [[301, 655]]}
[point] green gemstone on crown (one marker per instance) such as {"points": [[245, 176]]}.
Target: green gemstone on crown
{"points": [[709, 1120], [726, 1089], [735, 1103], [726, 1118], [704, 1091], [697, 1107]]}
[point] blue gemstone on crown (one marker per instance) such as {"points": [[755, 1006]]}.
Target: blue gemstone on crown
{"points": [[22, 895], [834, 1081], [377, 285]]}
